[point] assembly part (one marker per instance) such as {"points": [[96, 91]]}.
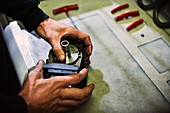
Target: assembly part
{"points": [[60, 66], [65, 45]]}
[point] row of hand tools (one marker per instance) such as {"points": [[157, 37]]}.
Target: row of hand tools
{"points": [[126, 15], [117, 18]]}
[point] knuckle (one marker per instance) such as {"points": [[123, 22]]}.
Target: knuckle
{"points": [[60, 94], [74, 79], [75, 103], [56, 48], [80, 95], [37, 71], [34, 72], [68, 30], [88, 37], [70, 78], [78, 78], [31, 72]]}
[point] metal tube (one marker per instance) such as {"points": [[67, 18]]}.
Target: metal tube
{"points": [[65, 45]]}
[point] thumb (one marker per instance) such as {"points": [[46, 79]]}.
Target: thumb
{"points": [[58, 51], [39, 66], [37, 72]]}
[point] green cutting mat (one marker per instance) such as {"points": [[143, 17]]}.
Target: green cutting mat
{"points": [[84, 6]]}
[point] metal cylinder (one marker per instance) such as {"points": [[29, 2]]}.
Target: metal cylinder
{"points": [[65, 45]]}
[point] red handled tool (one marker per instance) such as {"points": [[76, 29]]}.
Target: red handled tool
{"points": [[119, 8], [66, 9], [125, 15], [134, 24]]}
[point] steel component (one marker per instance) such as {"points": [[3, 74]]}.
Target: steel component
{"points": [[75, 58], [59, 68], [65, 45]]}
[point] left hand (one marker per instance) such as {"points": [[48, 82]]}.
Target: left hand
{"points": [[53, 95], [52, 31]]}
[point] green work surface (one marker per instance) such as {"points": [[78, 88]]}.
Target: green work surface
{"points": [[84, 6], [125, 80]]}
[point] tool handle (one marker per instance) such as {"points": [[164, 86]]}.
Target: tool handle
{"points": [[134, 24], [119, 8], [65, 9], [125, 15]]}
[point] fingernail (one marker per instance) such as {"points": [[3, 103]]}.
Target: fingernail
{"points": [[61, 57], [93, 86], [84, 69], [39, 61]]}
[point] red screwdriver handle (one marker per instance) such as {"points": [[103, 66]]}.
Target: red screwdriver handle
{"points": [[125, 15], [119, 8], [134, 24], [65, 9]]}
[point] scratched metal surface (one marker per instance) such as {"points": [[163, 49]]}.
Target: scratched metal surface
{"points": [[126, 80]]}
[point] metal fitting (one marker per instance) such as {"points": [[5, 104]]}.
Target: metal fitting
{"points": [[65, 45]]}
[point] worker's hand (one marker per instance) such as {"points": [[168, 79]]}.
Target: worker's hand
{"points": [[53, 95], [52, 31]]}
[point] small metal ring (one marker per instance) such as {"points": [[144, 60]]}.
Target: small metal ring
{"points": [[65, 45]]}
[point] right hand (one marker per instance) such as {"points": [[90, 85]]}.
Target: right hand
{"points": [[53, 94], [53, 31]]}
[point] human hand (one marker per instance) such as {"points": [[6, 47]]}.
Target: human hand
{"points": [[52, 31], [53, 94]]}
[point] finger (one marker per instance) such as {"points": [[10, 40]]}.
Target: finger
{"points": [[88, 60], [58, 51], [39, 65], [64, 81], [72, 103], [37, 72], [76, 93], [88, 46], [86, 39], [64, 109]]}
